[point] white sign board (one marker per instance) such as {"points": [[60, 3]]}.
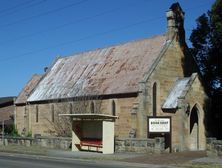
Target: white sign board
{"points": [[159, 125]]}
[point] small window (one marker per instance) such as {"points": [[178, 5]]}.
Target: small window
{"points": [[53, 112], [113, 108], [92, 107], [37, 113], [70, 108], [154, 99], [25, 111]]}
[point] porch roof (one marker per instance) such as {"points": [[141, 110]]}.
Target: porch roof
{"points": [[177, 91], [90, 116]]}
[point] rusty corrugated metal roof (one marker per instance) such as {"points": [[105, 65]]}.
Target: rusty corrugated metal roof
{"points": [[112, 70], [22, 98]]}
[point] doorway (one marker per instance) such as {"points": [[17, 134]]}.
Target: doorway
{"points": [[194, 129]]}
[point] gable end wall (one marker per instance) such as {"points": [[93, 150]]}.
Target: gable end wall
{"points": [[166, 71]]}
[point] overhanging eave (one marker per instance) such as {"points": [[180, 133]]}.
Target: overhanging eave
{"points": [[90, 116]]}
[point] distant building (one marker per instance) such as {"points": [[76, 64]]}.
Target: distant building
{"points": [[7, 110], [144, 89]]}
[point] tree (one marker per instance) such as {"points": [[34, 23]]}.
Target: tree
{"points": [[206, 39], [61, 125]]}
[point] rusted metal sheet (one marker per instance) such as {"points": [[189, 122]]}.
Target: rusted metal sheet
{"points": [[176, 92], [112, 70], [22, 98]]}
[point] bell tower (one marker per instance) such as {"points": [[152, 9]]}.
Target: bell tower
{"points": [[175, 23]]}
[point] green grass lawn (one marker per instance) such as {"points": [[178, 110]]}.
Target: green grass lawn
{"points": [[201, 165], [24, 150]]}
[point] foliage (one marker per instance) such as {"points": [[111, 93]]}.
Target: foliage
{"points": [[14, 131], [62, 125], [29, 134], [206, 39], [201, 165], [8, 129]]}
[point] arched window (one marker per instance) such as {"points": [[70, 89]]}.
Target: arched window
{"points": [[113, 108], [70, 108], [154, 99], [92, 107], [52, 112], [37, 113], [25, 111]]}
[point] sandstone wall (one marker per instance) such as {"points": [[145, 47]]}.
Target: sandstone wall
{"points": [[41, 118]]}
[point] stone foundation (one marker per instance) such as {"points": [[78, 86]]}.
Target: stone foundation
{"points": [[49, 142], [214, 147], [156, 145]]}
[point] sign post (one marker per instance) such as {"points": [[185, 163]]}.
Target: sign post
{"points": [[160, 125]]}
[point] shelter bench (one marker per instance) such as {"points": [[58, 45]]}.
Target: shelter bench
{"points": [[97, 143]]}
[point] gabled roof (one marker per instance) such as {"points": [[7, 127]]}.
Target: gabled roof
{"points": [[22, 98], [112, 70], [179, 90]]}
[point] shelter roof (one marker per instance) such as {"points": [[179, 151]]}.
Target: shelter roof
{"points": [[90, 116]]}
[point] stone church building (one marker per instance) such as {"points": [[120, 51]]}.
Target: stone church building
{"points": [[140, 89]]}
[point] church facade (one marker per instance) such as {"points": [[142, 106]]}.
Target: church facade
{"points": [[141, 89]]}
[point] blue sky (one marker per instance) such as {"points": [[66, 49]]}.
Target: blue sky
{"points": [[34, 32]]}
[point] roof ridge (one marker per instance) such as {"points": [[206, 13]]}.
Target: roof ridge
{"points": [[112, 46]]}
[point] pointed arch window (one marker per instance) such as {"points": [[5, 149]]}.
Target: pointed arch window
{"points": [[113, 108], [25, 112], [154, 101], [70, 108], [92, 107], [52, 113], [37, 113]]}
